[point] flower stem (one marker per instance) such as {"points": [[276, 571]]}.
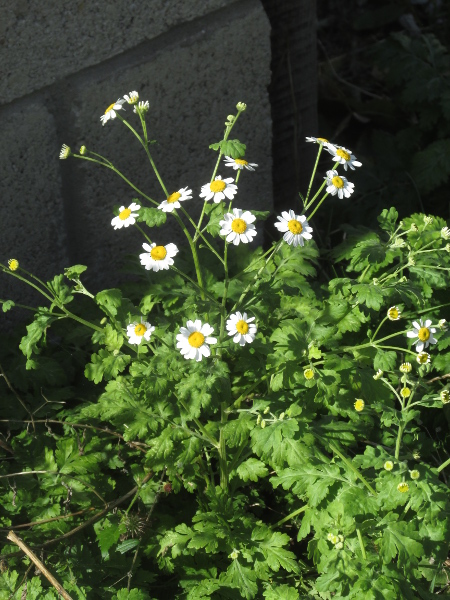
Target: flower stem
{"points": [[317, 207], [313, 175], [352, 467], [291, 515], [361, 544]]}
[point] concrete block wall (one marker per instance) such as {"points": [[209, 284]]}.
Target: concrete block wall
{"points": [[63, 64]]}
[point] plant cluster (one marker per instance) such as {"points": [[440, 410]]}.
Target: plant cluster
{"points": [[253, 423]]}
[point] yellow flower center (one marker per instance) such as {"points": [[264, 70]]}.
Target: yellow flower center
{"points": [[140, 329], [238, 225], [240, 161], [324, 140], [359, 405], [295, 226], [308, 374], [217, 186], [173, 197], [110, 107], [13, 264], [158, 253], [422, 358], [125, 214], [337, 182], [405, 392], [393, 314], [242, 326], [403, 487], [343, 154], [424, 334], [196, 339]]}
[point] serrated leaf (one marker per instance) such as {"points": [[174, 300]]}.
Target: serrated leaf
{"points": [[152, 217], [399, 540], [106, 365], [7, 305], [75, 271], [251, 470], [233, 148], [242, 578]]}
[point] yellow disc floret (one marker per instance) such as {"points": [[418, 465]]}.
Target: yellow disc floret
{"points": [[242, 327], [337, 181], [158, 253], [343, 154], [393, 313], [196, 339], [323, 140], [295, 226], [140, 329], [125, 214], [173, 197], [240, 161], [359, 405], [13, 264], [424, 334], [308, 374], [217, 186], [239, 225], [110, 107], [405, 392], [403, 487]]}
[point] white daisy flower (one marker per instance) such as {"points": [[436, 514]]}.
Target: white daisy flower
{"points": [[338, 185], [65, 152], [110, 112], [193, 340], [126, 216], [242, 328], [424, 334], [132, 97], [219, 189], [343, 156], [173, 201], [296, 228], [142, 107], [322, 141], [238, 226], [239, 163], [136, 332], [158, 258]]}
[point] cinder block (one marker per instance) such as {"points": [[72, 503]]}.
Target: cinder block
{"points": [[33, 222], [192, 84], [41, 42]]}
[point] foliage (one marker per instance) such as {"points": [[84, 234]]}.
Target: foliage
{"points": [[301, 464]]}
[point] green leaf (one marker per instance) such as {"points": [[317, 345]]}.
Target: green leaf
{"points": [[281, 592], [105, 365], [127, 545], [7, 305], [385, 360], [153, 217], [399, 539], [309, 481], [233, 148], [36, 330], [388, 219], [251, 470], [271, 545], [370, 295], [60, 289], [133, 594], [109, 301], [242, 578], [75, 271], [108, 534]]}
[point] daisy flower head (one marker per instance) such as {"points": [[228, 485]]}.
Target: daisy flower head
{"points": [[405, 392], [142, 107], [126, 216], [173, 201], [194, 339], [111, 111], [158, 258], [308, 374], [296, 228], [321, 141], [343, 156], [403, 487], [389, 465], [65, 152], [219, 189], [414, 474], [338, 185], [444, 396], [239, 163], [238, 227], [137, 332], [424, 334], [406, 367], [423, 358], [242, 328], [393, 313], [131, 98]]}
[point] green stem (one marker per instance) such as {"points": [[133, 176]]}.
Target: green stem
{"points": [[196, 285], [223, 465], [143, 233], [291, 515], [444, 465], [368, 344], [317, 208], [313, 174], [200, 234], [399, 441], [29, 283], [361, 544], [378, 328], [352, 467]]}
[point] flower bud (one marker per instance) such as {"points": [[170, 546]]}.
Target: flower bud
{"points": [[13, 264], [378, 374], [445, 396], [83, 150], [231, 118], [416, 455], [403, 487], [393, 313], [423, 358], [339, 546], [263, 424], [445, 233], [267, 410], [65, 152], [414, 227], [241, 106], [406, 367], [389, 465], [359, 405], [428, 220], [414, 474], [443, 324], [447, 247], [308, 374]]}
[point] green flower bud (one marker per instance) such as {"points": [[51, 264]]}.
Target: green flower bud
{"points": [[414, 474], [241, 106], [83, 150]]}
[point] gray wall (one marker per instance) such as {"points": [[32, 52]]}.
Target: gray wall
{"points": [[62, 64]]}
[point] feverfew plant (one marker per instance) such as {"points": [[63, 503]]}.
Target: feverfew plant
{"points": [[256, 422]]}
